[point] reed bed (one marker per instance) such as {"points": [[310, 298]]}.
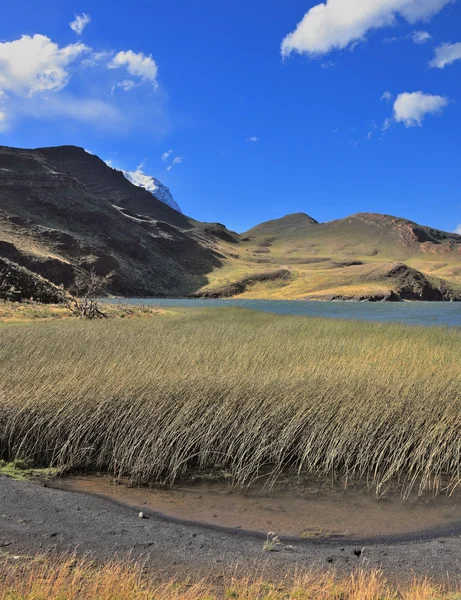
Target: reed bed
{"points": [[234, 390], [81, 579]]}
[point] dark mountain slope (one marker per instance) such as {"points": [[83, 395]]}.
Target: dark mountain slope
{"points": [[110, 184], [59, 210]]}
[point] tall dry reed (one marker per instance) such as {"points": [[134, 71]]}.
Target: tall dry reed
{"points": [[235, 390]]}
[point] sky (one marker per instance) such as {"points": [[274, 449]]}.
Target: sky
{"points": [[251, 109]]}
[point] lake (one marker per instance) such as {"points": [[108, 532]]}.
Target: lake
{"points": [[412, 313]]}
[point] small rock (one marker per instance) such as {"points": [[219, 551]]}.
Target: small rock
{"points": [[142, 515], [289, 549]]}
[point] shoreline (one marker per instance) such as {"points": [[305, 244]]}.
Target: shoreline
{"points": [[37, 519]]}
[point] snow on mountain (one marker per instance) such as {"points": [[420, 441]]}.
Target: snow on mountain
{"points": [[154, 186]]}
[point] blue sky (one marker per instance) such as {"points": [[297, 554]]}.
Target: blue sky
{"points": [[268, 107]]}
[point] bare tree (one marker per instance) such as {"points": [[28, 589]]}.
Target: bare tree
{"points": [[88, 286]]}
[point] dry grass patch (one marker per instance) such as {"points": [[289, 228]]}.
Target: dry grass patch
{"points": [[76, 579]]}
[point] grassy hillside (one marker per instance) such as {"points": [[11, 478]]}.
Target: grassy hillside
{"points": [[233, 390], [357, 257]]}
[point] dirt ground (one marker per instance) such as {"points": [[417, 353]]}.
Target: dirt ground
{"points": [[38, 519]]}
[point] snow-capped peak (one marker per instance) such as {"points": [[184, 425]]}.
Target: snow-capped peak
{"points": [[154, 186]]}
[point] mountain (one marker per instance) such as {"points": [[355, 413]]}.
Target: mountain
{"points": [[288, 225], [63, 209], [362, 257], [154, 186]]}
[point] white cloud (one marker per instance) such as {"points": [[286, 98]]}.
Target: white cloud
{"points": [[328, 64], [126, 85], [458, 229], [253, 139], [445, 54], [35, 73], [3, 121], [137, 65], [97, 112], [391, 40], [96, 59], [79, 23], [371, 129], [387, 124], [421, 37], [338, 23], [36, 64], [387, 96], [176, 161], [411, 109], [166, 155]]}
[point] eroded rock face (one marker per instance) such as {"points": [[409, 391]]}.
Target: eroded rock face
{"points": [[413, 285], [18, 284]]}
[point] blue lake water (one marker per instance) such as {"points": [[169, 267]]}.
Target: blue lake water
{"points": [[413, 313]]}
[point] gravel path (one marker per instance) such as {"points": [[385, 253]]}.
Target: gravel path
{"points": [[37, 519]]}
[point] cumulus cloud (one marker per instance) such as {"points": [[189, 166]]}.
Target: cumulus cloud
{"points": [[36, 64], [421, 37], [137, 64], [79, 23], [458, 229], [339, 23], [387, 96], [34, 77], [446, 54], [411, 108]]}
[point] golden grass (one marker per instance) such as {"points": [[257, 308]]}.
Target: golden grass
{"points": [[236, 390], [24, 312], [77, 579]]}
